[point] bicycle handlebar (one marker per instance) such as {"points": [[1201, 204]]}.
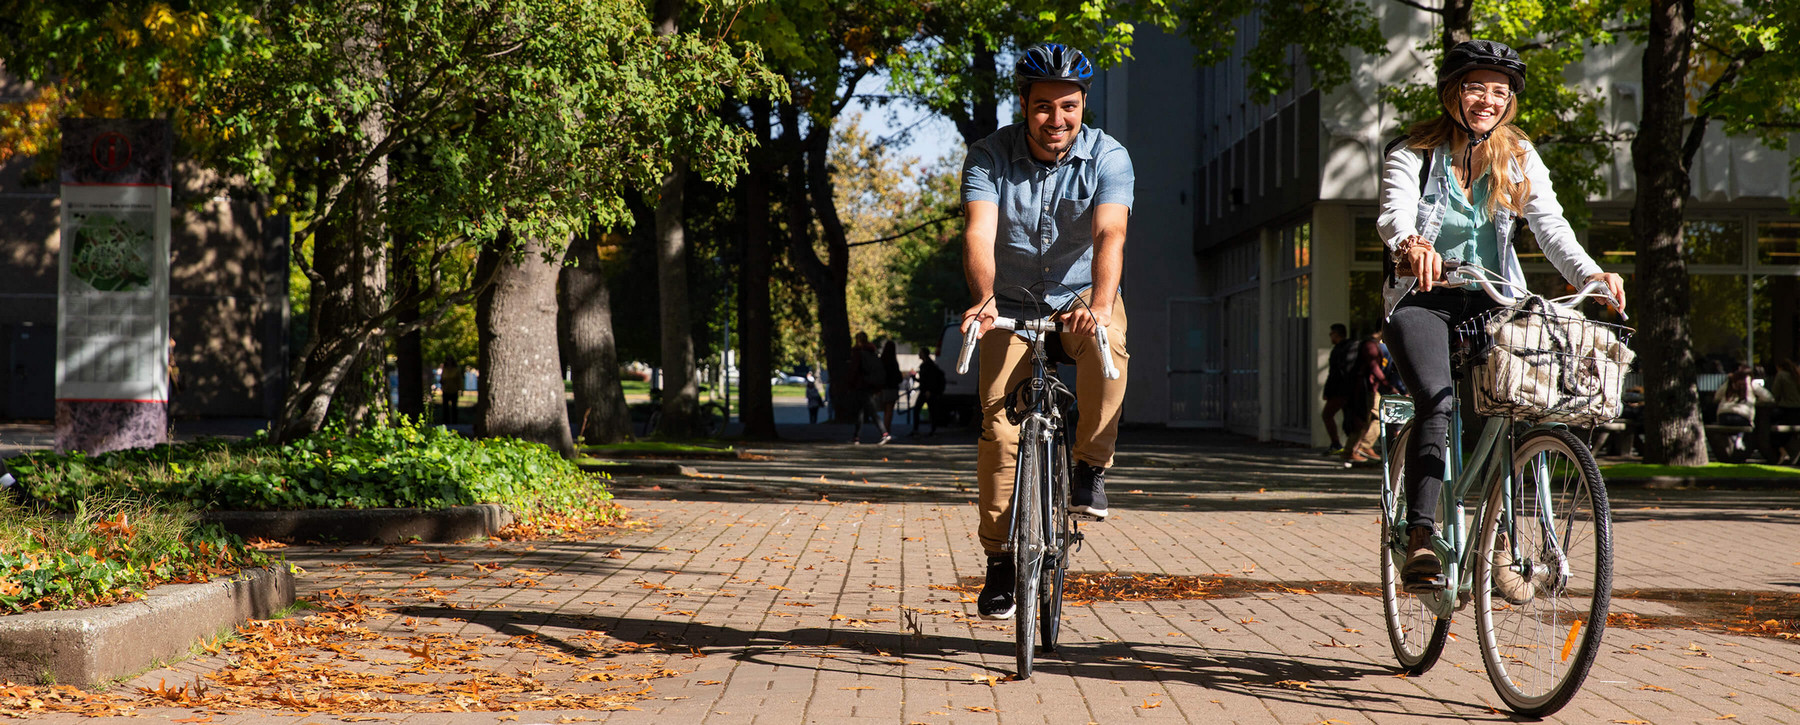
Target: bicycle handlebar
{"points": [[1048, 324], [1459, 274]]}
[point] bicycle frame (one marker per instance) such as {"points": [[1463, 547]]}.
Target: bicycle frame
{"points": [[1487, 463], [1049, 422]]}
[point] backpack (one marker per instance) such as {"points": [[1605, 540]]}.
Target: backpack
{"points": [[869, 375]]}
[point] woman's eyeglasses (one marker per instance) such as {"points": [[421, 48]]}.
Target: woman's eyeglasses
{"points": [[1498, 93]]}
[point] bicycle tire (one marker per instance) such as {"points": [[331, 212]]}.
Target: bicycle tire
{"points": [[1027, 538], [1415, 632], [1050, 612], [1540, 631]]}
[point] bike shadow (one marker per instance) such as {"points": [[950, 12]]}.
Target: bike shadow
{"points": [[1269, 676]]}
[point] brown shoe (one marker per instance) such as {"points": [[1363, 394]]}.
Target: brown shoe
{"points": [[1420, 572]]}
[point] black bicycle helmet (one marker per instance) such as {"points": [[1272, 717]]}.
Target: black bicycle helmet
{"points": [[1473, 55], [1052, 62]]}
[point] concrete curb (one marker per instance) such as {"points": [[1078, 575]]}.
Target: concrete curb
{"points": [[725, 455], [380, 526], [1684, 483], [89, 646], [640, 468]]}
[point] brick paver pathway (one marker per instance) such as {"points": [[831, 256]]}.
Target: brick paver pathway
{"points": [[818, 586]]}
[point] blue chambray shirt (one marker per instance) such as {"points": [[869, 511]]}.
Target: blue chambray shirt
{"points": [[1046, 225]]}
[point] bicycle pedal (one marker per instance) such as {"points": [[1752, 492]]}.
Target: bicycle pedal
{"points": [[1425, 585]]}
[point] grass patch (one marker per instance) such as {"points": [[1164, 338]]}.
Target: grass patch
{"points": [[1710, 470], [110, 550], [404, 465]]}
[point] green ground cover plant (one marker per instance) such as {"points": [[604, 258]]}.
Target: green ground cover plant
{"points": [[403, 465], [1710, 470], [108, 551]]}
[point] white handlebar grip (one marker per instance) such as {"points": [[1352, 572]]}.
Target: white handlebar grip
{"points": [[1106, 362], [968, 346]]}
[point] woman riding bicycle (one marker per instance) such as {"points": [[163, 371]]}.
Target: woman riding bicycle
{"points": [[1460, 187]]}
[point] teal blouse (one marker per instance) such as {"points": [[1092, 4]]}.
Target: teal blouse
{"points": [[1468, 230]]}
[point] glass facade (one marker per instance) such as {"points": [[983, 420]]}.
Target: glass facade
{"points": [[1743, 275]]}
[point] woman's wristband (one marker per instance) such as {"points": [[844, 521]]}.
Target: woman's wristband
{"points": [[1407, 245]]}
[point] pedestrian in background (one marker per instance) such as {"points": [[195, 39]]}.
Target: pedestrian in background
{"points": [[931, 385], [1368, 381], [866, 380], [450, 387], [891, 377], [1337, 384], [814, 400]]}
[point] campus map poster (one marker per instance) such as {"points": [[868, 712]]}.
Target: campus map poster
{"points": [[112, 314]]}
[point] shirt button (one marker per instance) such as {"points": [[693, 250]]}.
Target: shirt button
{"points": [[1046, 269]]}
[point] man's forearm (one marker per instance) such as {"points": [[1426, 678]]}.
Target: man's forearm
{"points": [[978, 265], [1109, 267]]}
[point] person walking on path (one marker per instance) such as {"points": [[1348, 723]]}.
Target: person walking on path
{"points": [[931, 385], [866, 380], [1337, 385], [1452, 190], [1046, 201], [891, 377], [450, 386], [814, 400], [1368, 380]]}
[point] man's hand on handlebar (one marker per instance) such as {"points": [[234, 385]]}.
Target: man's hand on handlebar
{"points": [[1615, 287], [1085, 320], [984, 312]]}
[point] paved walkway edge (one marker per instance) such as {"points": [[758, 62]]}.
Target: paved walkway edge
{"points": [[379, 526], [1684, 483], [90, 646]]}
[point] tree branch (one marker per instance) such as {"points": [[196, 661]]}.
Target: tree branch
{"points": [[1421, 6], [893, 237], [1691, 145]]}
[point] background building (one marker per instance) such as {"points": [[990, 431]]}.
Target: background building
{"points": [[1276, 203]]}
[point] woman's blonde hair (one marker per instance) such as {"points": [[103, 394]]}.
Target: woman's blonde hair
{"points": [[1503, 147]]}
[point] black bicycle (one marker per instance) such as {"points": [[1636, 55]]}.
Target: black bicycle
{"points": [[1044, 532]]}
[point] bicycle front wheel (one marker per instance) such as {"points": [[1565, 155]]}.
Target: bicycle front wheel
{"points": [[1416, 633], [1061, 529], [1543, 574], [1027, 540]]}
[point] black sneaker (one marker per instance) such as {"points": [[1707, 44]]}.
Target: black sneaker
{"points": [[1087, 493], [996, 599]]}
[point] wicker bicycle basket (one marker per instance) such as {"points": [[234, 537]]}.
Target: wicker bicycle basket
{"points": [[1539, 361]]}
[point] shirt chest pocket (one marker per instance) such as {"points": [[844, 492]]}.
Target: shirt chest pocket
{"points": [[1075, 214]]}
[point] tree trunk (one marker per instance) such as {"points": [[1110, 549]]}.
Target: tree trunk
{"points": [[980, 118], [340, 375], [680, 389], [756, 324], [828, 277], [1457, 24], [409, 349], [521, 373], [600, 414], [1672, 428]]}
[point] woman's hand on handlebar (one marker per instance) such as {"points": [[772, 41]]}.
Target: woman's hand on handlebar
{"points": [[982, 311], [1085, 320], [1424, 262], [1615, 287]]}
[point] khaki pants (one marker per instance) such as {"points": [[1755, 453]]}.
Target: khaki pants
{"points": [[1006, 360]]}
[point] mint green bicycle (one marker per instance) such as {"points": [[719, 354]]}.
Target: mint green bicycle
{"points": [[1539, 566]]}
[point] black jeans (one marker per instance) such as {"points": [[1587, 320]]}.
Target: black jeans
{"points": [[1418, 333]]}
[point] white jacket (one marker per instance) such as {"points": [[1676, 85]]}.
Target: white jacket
{"points": [[1407, 210]]}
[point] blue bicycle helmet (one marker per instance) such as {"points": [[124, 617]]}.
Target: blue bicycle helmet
{"points": [[1052, 62]]}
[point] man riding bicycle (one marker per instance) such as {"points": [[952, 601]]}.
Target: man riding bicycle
{"points": [[1047, 201]]}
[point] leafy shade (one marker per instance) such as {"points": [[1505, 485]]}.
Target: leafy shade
{"points": [[378, 466]]}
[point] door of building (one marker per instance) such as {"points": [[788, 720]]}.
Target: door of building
{"points": [[1196, 363]]}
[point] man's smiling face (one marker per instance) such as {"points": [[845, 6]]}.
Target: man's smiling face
{"points": [[1053, 117]]}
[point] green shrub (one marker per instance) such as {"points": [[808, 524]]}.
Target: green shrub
{"points": [[107, 552], [403, 465]]}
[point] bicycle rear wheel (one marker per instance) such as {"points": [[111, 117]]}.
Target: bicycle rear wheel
{"points": [[1027, 541], [1061, 530], [1543, 577], [1416, 633]]}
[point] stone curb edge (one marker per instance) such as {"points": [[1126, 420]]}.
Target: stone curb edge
{"points": [[640, 468], [86, 647], [379, 525]]}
